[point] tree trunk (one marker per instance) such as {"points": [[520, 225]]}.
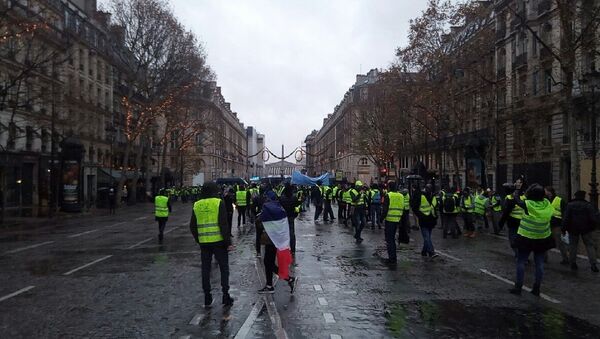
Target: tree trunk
{"points": [[136, 174]]}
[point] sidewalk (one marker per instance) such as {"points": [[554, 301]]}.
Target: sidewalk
{"points": [[26, 223]]}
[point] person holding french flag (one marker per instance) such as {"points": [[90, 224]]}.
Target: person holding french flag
{"points": [[272, 225]]}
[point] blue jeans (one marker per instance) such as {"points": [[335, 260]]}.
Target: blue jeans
{"points": [[359, 219], [390, 238], [375, 212], [427, 244], [512, 235], [538, 258]]}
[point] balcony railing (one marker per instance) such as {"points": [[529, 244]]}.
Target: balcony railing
{"points": [[520, 60], [501, 33]]}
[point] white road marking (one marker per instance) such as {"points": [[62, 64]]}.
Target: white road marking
{"points": [[329, 319], [247, 325], [87, 265], [117, 224], [14, 294], [139, 243], [578, 256], [323, 301], [82, 233], [497, 236], [185, 337], [447, 255], [318, 288], [141, 218], [542, 295], [171, 230], [335, 336], [21, 249], [196, 319]]}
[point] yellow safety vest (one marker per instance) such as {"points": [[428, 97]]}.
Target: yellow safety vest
{"points": [[426, 208], [535, 224], [396, 207], [468, 204], [361, 198], [207, 220], [556, 205], [240, 198], [161, 207], [346, 197], [407, 202], [495, 201], [480, 202], [517, 212]]}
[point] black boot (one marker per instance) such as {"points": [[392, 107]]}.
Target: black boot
{"points": [[536, 289], [208, 300], [516, 290], [594, 268], [227, 300]]}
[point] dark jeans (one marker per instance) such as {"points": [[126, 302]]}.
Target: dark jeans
{"points": [[427, 243], [450, 224], [405, 221], [241, 214], [318, 210], [341, 211], [292, 234], [469, 225], [328, 211], [269, 260], [162, 223], [512, 235], [590, 247], [375, 214], [230, 218], [390, 238], [222, 257], [538, 258], [359, 220]]}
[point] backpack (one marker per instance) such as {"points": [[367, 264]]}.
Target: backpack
{"points": [[449, 204], [376, 197]]}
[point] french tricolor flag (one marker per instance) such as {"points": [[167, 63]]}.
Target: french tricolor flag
{"points": [[275, 222]]}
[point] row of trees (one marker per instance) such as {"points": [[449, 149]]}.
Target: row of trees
{"points": [[450, 72]]}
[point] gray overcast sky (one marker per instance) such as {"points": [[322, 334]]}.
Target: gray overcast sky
{"points": [[284, 65]]}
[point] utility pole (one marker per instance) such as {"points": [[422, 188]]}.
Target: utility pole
{"points": [[53, 184], [282, 155]]}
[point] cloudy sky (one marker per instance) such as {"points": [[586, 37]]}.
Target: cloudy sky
{"points": [[284, 65]]}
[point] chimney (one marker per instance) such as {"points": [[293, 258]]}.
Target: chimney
{"points": [[103, 18]]}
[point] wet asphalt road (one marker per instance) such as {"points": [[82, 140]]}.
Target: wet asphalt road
{"points": [[106, 277]]}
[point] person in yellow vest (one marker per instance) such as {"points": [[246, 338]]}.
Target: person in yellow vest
{"points": [[405, 221], [424, 205], [467, 205], [327, 199], [318, 196], [559, 206], [533, 235], [392, 211], [162, 208], [242, 201], [212, 232], [513, 213], [450, 209], [496, 203], [359, 204], [481, 208], [347, 204]]}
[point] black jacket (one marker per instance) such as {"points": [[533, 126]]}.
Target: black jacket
{"points": [[223, 225], [289, 204], [580, 217]]}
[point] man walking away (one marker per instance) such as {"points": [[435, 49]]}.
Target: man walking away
{"points": [[358, 196], [405, 221], [556, 222], [317, 198], [393, 208], [467, 205], [496, 207], [348, 210], [162, 208], [341, 205], [513, 213], [211, 231], [328, 197], [242, 200], [424, 204], [450, 203], [229, 200], [291, 205], [580, 220], [375, 207]]}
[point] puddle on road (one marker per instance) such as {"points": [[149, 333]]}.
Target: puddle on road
{"points": [[453, 319]]}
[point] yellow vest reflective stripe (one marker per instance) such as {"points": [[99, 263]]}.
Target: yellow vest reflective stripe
{"points": [[396, 207], [517, 212], [207, 220], [427, 208], [346, 197], [468, 204], [240, 198], [407, 202], [161, 207], [480, 202], [556, 202], [535, 224]]}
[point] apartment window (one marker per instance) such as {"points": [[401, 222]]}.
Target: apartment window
{"points": [[28, 138], [548, 81], [44, 140], [363, 161], [12, 135], [535, 83], [81, 67]]}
